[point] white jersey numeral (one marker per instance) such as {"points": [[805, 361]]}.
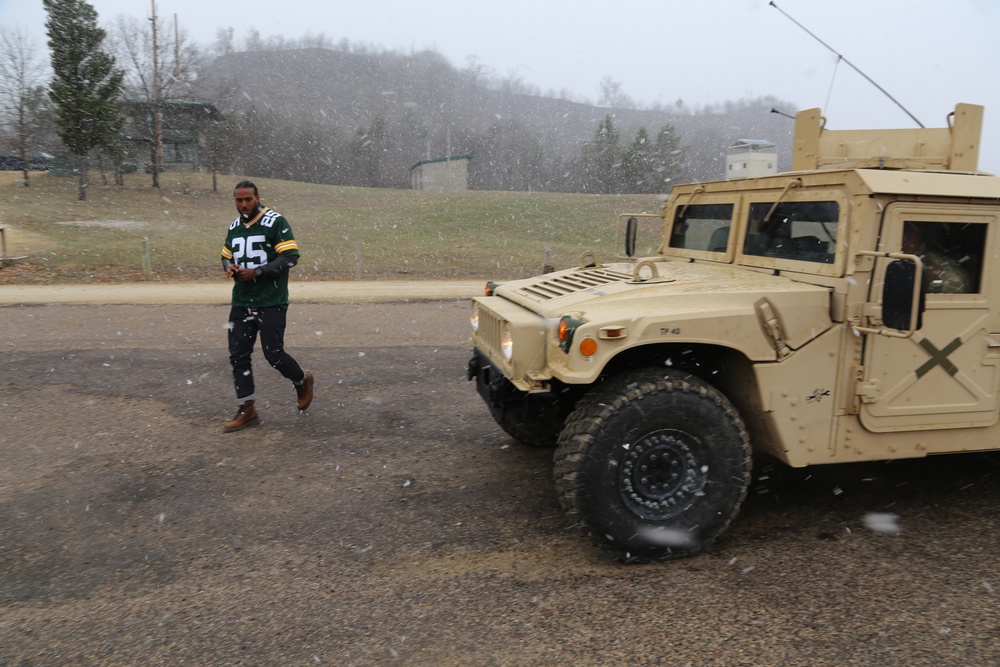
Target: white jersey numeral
{"points": [[268, 219], [249, 252]]}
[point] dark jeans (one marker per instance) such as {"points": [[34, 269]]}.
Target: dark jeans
{"points": [[246, 323]]}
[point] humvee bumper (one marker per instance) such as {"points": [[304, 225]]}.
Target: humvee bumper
{"points": [[491, 384], [544, 411]]}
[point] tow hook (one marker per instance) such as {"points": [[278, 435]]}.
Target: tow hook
{"points": [[472, 370]]}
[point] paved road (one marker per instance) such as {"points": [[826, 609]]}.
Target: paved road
{"points": [[393, 523]]}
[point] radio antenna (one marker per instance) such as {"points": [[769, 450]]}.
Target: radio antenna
{"points": [[867, 78]]}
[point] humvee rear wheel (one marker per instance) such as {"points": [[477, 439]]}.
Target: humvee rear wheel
{"points": [[654, 464]]}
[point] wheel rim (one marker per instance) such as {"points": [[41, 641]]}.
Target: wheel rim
{"points": [[662, 475]]}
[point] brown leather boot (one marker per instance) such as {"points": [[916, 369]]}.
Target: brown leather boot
{"points": [[246, 416], [305, 391]]}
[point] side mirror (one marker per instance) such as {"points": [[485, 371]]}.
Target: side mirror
{"points": [[631, 230], [898, 293]]}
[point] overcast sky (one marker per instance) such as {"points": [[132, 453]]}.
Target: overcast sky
{"points": [[927, 54]]}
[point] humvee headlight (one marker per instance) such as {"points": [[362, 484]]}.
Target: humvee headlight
{"points": [[474, 317], [567, 327], [506, 342]]}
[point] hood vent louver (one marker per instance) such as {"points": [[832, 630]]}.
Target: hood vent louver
{"points": [[571, 283]]}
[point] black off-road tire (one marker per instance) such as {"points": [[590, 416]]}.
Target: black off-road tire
{"points": [[654, 464], [526, 431]]}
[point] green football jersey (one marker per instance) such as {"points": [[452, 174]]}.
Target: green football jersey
{"points": [[253, 245]]}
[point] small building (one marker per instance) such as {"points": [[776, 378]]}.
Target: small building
{"points": [[183, 125], [443, 174], [749, 158]]}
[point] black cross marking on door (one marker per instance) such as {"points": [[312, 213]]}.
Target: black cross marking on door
{"points": [[938, 357]]}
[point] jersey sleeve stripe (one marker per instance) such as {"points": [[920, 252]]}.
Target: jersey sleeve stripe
{"points": [[227, 253], [285, 246]]}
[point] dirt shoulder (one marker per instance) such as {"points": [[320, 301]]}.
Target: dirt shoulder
{"points": [[219, 293]]}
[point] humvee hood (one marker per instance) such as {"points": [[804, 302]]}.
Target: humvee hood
{"points": [[720, 296]]}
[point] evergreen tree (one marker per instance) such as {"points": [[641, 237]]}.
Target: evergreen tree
{"points": [[638, 170], [668, 159], [257, 131], [410, 146], [369, 154], [221, 138], [309, 153], [508, 157], [648, 167], [86, 83], [602, 159]]}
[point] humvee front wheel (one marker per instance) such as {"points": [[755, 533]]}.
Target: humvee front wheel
{"points": [[654, 464]]}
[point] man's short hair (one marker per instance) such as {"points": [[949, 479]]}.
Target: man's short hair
{"points": [[247, 184]]}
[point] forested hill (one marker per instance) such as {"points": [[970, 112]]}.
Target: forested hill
{"points": [[366, 118]]}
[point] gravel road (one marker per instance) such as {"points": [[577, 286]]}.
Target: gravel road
{"points": [[394, 523]]}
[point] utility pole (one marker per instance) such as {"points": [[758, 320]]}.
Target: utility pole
{"points": [[157, 110], [177, 53]]}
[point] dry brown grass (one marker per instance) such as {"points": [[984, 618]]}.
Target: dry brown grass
{"points": [[345, 233]]}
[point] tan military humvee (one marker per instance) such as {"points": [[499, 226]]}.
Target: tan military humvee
{"points": [[847, 310]]}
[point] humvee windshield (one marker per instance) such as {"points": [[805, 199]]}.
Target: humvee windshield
{"points": [[702, 227], [805, 231]]}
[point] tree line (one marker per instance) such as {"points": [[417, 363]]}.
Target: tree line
{"points": [[313, 111]]}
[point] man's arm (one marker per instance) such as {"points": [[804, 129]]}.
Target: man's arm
{"points": [[276, 267], [280, 264]]}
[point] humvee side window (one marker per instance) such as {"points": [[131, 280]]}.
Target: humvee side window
{"points": [[951, 251], [702, 227], [804, 231]]}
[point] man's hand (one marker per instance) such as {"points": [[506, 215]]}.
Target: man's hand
{"points": [[244, 275]]}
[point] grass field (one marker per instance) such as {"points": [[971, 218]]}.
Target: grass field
{"points": [[345, 233]]}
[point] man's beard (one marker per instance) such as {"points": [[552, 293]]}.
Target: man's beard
{"points": [[253, 214]]}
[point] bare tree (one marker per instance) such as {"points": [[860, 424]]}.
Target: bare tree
{"points": [[225, 43], [612, 95], [131, 42], [22, 93], [160, 64]]}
